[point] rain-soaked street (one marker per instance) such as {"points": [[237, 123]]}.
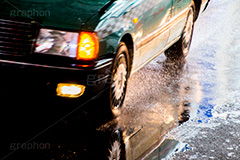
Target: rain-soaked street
{"points": [[181, 110]]}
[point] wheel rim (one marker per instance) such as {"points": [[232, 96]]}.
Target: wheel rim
{"points": [[119, 82], [187, 33]]}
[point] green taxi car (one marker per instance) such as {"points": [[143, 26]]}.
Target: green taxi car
{"points": [[81, 49]]}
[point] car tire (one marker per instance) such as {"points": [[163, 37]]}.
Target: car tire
{"points": [[180, 49], [119, 78], [115, 93]]}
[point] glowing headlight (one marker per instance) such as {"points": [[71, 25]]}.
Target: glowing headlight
{"points": [[57, 42], [82, 46]]}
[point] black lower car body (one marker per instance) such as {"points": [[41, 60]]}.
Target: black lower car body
{"points": [[23, 80], [40, 74]]}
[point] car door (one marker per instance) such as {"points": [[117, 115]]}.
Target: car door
{"points": [[179, 15], [152, 28]]}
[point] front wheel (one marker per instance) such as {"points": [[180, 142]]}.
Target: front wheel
{"points": [[180, 49], [119, 77]]}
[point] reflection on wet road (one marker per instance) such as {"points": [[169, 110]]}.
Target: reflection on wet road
{"points": [[159, 98], [215, 53], [170, 95]]}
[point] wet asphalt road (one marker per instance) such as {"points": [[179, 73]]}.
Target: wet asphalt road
{"points": [[214, 132], [191, 106], [204, 89]]}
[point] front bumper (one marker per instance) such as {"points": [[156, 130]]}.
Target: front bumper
{"points": [[33, 78]]}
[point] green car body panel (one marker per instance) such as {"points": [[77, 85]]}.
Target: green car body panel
{"points": [[80, 15], [159, 23]]}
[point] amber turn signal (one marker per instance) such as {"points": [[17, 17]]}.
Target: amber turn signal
{"points": [[88, 46]]}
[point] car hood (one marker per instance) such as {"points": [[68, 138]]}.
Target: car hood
{"points": [[62, 14]]}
